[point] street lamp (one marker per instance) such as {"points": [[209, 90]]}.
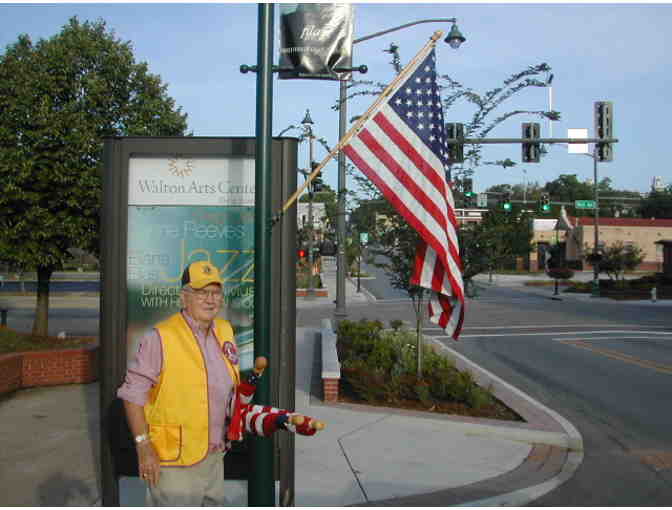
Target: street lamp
{"points": [[454, 39], [307, 122]]}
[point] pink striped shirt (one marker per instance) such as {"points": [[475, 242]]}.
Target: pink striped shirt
{"points": [[144, 370]]}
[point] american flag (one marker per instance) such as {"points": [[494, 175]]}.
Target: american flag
{"points": [[402, 148]]}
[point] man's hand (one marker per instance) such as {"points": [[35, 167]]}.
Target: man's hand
{"points": [[148, 463]]}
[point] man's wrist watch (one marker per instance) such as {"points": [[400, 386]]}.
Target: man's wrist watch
{"points": [[141, 438]]}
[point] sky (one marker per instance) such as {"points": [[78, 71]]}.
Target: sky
{"points": [[598, 52]]}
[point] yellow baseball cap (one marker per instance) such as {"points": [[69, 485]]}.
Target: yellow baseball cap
{"points": [[200, 274]]}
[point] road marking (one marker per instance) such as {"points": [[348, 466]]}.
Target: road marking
{"points": [[649, 337], [550, 333], [500, 328], [609, 353]]}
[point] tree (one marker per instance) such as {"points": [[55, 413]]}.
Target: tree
{"points": [[58, 99], [396, 241], [615, 259], [568, 188], [487, 103], [495, 242], [327, 197], [657, 205]]}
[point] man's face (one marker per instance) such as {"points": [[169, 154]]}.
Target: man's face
{"points": [[203, 304]]}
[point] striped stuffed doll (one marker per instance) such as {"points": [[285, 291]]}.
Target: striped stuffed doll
{"points": [[261, 420]]}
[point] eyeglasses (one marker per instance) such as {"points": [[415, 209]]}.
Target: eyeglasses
{"points": [[203, 295]]}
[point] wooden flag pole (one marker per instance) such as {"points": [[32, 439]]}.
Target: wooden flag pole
{"points": [[410, 67]]}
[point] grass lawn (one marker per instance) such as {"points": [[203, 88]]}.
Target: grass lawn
{"points": [[13, 341]]}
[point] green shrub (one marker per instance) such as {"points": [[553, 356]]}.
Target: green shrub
{"points": [[424, 394], [303, 280], [381, 366], [396, 324]]}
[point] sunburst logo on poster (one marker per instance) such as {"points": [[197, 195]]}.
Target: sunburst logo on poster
{"points": [[180, 168]]}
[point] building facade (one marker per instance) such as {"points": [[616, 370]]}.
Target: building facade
{"points": [[643, 233]]}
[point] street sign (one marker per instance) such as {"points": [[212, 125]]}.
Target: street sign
{"points": [[577, 148], [584, 204], [482, 200], [364, 238]]}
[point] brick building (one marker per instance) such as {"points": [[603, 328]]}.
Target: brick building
{"points": [[578, 234]]}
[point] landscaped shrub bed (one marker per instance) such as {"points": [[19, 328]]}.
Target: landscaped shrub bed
{"points": [[379, 367], [639, 288]]}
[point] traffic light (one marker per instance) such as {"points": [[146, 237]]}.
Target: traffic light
{"points": [[531, 151], [455, 150], [301, 254], [545, 204], [604, 128], [469, 195], [317, 184], [506, 202]]}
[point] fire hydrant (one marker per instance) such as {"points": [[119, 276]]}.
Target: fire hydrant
{"points": [[654, 294]]}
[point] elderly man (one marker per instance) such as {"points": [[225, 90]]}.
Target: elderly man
{"points": [[178, 394], [185, 401]]}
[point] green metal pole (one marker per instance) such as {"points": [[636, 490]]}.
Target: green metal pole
{"points": [[596, 240], [261, 487]]}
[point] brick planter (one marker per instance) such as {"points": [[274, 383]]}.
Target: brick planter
{"points": [[10, 372], [316, 292], [330, 389], [48, 368], [331, 367]]}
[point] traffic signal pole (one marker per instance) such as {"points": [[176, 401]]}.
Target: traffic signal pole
{"points": [[479, 141]]}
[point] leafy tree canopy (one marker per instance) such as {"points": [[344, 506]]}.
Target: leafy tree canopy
{"points": [[58, 98], [495, 242], [615, 259], [657, 205]]}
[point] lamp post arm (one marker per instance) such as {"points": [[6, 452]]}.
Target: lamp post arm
{"points": [[400, 27]]}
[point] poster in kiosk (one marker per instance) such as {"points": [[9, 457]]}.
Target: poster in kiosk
{"points": [[181, 210], [168, 202]]}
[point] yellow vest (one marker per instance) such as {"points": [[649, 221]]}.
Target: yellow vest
{"points": [[177, 410]]}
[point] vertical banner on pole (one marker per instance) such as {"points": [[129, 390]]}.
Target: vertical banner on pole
{"points": [[315, 39], [182, 210]]}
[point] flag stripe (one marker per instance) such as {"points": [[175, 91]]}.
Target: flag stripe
{"points": [[438, 181], [397, 202], [437, 186], [403, 199]]}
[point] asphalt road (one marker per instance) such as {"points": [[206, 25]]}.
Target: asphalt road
{"points": [[54, 286]]}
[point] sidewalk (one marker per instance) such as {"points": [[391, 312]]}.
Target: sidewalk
{"points": [[49, 443]]}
